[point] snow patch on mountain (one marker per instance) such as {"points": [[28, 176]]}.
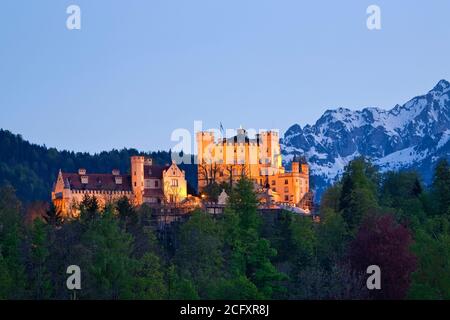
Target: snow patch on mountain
{"points": [[409, 136]]}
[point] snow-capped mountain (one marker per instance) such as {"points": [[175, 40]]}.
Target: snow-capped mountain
{"points": [[412, 136]]}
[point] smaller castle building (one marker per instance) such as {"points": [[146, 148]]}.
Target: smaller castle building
{"points": [[147, 183]]}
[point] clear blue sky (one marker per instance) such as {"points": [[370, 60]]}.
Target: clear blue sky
{"points": [[140, 68]]}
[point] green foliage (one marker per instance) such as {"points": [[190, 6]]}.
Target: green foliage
{"points": [[441, 188], [359, 192], [332, 238], [403, 192], [199, 256], [242, 254], [214, 189], [53, 216], [89, 209], [41, 286], [247, 253], [304, 242], [432, 246], [11, 239], [127, 213], [107, 259], [180, 288], [149, 281]]}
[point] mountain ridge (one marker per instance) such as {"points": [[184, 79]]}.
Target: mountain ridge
{"points": [[413, 135]]}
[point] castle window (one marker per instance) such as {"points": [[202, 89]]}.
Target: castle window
{"points": [[156, 184], [84, 179], [286, 189], [274, 189], [286, 181], [286, 198], [273, 182], [174, 183]]}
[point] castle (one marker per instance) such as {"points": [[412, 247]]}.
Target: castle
{"points": [[222, 161], [147, 183], [259, 159]]}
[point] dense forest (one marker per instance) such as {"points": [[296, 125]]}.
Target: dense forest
{"points": [[32, 169], [388, 220]]}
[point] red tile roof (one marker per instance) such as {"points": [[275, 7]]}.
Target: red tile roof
{"points": [[153, 193], [97, 181], [154, 171]]}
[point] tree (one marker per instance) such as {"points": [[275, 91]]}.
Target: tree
{"points": [[89, 208], [180, 288], [383, 242], [126, 212], [332, 239], [199, 256], [441, 188], [149, 278], [107, 259], [359, 192], [330, 198], [431, 280], [247, 253], [11, 240], [339, 282], [304, 242], [41, 287], [403, 192], [53, 216]]}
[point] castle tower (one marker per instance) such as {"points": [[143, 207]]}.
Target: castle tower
{"points": [[304, 166], [205, 146], [137, 178], [295, 164], [270, 152]]}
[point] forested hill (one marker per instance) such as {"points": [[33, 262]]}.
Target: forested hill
{"points": [[31, 169]]}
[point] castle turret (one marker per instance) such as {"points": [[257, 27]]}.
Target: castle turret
{"points": [[137, 178], [295, 164], [304, 166]]}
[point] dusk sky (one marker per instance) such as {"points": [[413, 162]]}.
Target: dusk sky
{"points": [[138, 69]]}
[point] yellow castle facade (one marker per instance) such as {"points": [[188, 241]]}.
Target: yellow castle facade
{"points": [[147, 183], [259, 159]]}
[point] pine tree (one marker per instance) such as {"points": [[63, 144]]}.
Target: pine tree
{"points": [[441, 188], [199, 256], [107, 259], [41, 287], [89, 209], [11, 240], [53, 216], [249, 254], [127, 213], [359, 192]]}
